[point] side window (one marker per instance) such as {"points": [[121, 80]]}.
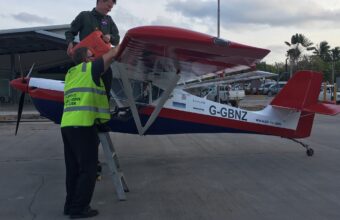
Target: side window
{"points": [[140, 91], [156, 92]]}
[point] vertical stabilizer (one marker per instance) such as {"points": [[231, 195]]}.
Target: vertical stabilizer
{"points": [[301, 91], [301, 94]]}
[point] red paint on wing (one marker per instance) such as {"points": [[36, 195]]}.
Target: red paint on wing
{"points": [[185, 47]]}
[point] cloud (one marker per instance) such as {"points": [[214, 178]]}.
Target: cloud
{"points": [[31, 18], [126, 20], [261, 12], [163, 20]]}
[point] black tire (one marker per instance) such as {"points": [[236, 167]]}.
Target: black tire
{"points": [[310, 152]]}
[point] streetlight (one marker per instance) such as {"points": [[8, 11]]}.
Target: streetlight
{"points": [[218, 18]]}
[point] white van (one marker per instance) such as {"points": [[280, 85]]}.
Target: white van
{"points": [[227, 94]]}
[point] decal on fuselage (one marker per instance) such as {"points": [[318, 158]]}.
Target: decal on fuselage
{"points": [[179, 104], [230, 113], [269, 122]]}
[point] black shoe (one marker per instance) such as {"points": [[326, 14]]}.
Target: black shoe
{"points": [[88, 213], [66, 212]]}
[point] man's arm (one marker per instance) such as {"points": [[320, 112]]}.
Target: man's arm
{"points": [[70, 34], [109, 57], [114, 33], [100, 65]]}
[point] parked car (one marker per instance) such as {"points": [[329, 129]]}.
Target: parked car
{"points": [[276, 88], [264, 88]]}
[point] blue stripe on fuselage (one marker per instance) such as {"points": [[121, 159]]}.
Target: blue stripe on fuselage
{"points": [[53, 110]]}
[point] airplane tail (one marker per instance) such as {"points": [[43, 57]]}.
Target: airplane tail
{"points": [[301, 94]]}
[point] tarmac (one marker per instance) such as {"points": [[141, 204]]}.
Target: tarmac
{"points": [[182, 177]]}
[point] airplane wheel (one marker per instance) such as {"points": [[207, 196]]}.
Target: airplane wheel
{"points": [[310, 152]]}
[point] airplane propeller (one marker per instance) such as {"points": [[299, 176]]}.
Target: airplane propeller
{"points": [[22, 96]]}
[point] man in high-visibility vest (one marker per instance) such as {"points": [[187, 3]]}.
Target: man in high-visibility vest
{"points": [[85, 106]]}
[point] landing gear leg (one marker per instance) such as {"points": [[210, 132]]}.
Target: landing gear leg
{"points": [[309, 151]]}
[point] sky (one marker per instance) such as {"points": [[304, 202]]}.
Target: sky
{"points": [[260, 23]]}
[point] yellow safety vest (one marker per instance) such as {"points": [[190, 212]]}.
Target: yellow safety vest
{"points": [[85, 103]]}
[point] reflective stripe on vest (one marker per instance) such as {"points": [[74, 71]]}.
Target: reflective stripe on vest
{"points": [[87, 108], [85, 103], [93, 90]]}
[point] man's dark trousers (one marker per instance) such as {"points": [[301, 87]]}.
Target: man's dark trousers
{"points": [[81, 154]]}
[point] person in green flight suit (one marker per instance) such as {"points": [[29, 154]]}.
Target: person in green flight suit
{"points": [[98, 19]]}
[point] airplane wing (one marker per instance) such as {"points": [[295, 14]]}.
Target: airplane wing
{"points": [[231, 78], [155, 49], [167, 56]]}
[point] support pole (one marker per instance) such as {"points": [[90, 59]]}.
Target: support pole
{"points": [[218, 18], [334, 93]]}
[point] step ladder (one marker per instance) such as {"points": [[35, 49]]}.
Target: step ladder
{"points": [[113, 163]]}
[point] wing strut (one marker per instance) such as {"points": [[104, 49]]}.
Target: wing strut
{"points": [[160, 103]]}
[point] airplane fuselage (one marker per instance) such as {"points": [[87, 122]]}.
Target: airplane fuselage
{"points": [[182, 113]]}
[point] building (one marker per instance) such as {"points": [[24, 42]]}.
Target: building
{"points": [[45, 47]]}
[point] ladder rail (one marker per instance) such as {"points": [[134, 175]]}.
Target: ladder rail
{"points": [[114, 165]]}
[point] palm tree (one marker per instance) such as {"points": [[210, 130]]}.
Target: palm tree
{"points": [[322, 50], [296, 45], [327, 55], [335, 56]]}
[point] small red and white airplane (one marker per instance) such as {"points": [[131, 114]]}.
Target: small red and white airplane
{"points": [[151, 64]]}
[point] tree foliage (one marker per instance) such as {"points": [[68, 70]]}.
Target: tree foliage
{"points": [[296, 45], [323, 51], [323, 58]]}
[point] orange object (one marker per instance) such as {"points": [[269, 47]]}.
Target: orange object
{"points": [[95, 43]]}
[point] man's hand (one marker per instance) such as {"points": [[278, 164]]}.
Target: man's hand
{"points": [[69, 49], [107, 38]]}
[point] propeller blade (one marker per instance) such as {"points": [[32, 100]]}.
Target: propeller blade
{"points": [[21, 105], [29, 73]]}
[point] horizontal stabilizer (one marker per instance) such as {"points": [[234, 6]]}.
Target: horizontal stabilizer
{"points": [[322, 108]]}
